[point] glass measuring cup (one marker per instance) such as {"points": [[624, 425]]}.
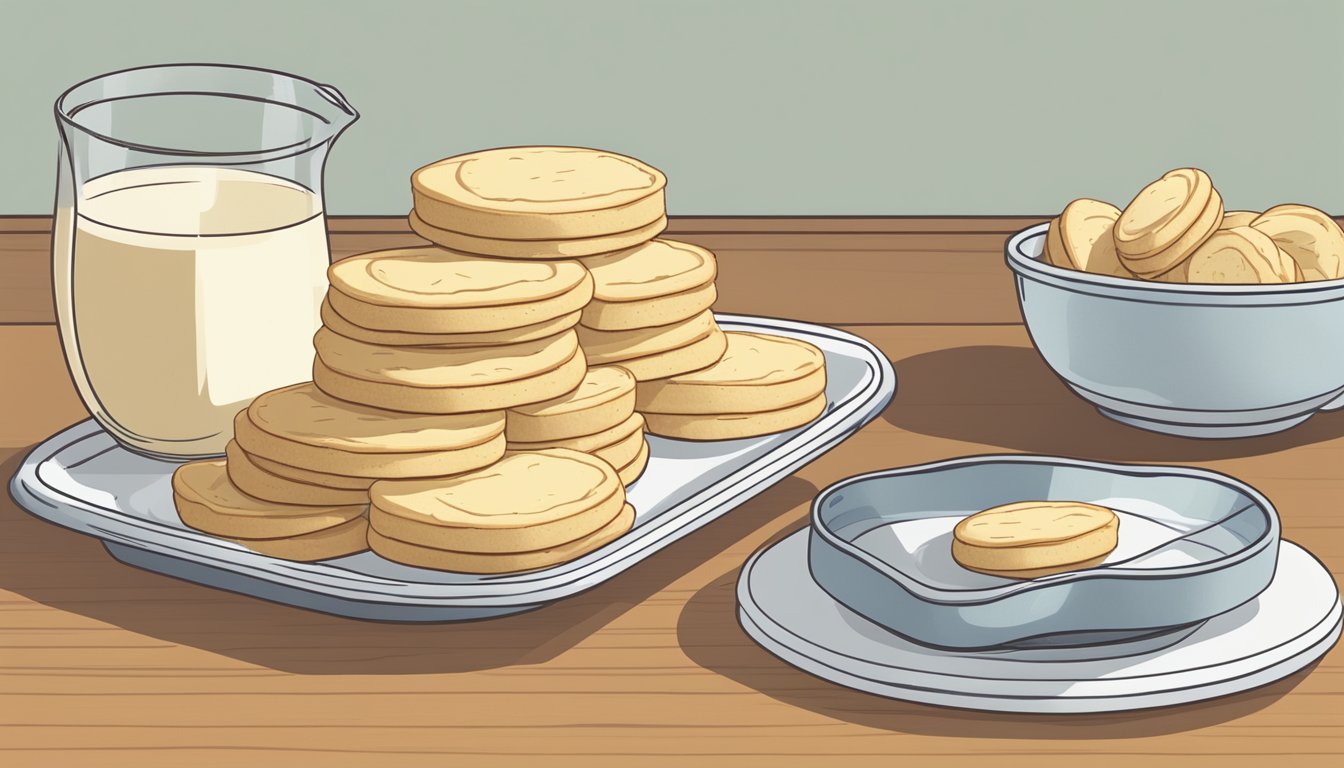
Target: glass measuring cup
{"points": [[189, 250]]}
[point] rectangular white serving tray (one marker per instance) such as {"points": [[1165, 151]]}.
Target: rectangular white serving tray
{"points": [[81, 479]]}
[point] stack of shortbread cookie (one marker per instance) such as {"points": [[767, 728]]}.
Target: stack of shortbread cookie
{"points": [[427, 330], [296, 477], [598, 417], [480, 405], [650, 310], [762, 384]]}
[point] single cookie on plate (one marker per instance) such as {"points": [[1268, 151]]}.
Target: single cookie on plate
{"points": [[1167, 221], [1028, 539]]}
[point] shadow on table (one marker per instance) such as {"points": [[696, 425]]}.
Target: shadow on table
{"points": [[710, 636], [71, 572], [1007, 396]]}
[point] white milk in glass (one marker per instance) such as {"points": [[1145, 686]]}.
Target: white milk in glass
{"points": [[190, 291]]}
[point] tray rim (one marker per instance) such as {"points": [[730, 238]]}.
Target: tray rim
{"points": [[820, 531], [506, 591]]}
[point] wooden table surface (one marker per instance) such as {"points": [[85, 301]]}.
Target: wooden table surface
{"points": [[102, 664]]}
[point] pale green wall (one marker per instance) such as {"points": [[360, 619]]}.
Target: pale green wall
{"points": [[757, 107]]}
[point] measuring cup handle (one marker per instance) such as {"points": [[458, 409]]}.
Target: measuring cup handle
{"points": [[330, 93]]}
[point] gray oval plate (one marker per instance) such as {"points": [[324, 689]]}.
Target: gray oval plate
{"points": [[1284, 629], [1192, 544], [82, 480]]}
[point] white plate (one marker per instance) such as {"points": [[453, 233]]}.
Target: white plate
{"points": [[82, 480], [1287, 627]]}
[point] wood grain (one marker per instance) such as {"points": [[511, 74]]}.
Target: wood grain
{"points": [[102, 664]]}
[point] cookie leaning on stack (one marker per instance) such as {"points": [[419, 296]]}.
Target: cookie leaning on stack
{"points": [[538, 202], [482, 326], [762, 384], [598, 417], [499, 520]]}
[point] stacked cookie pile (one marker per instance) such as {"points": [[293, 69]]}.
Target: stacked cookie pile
{"points": [[295, 479], [598, 417], [762, 384], [426, 330], [480, 405], [650, 312], [1176, 231]]}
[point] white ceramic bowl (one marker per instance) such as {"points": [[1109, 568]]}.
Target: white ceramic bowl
{"points": [[1192, 360]]}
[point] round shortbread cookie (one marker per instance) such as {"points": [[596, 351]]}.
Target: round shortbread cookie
{"points": [[471, 562], [536, 249], [633, 425], [605, 398], [497, 541], [648, 313], [1087, 236], [539, 193], [518, 491], [451, 400], [310, 477], [403, 319], [342, 540], [431, 277], [700, 353], [1034, 538], [632, 471], [444, 366], [1236, 256], [327, 459], [757, 372], [1238, 219], [731, 426], [256, 482], [208, 501], [1309, 237], [1167, 221], [656, 268], [303, 414], [604, 347], [623, 451], [339, 325], [300, 426]]}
